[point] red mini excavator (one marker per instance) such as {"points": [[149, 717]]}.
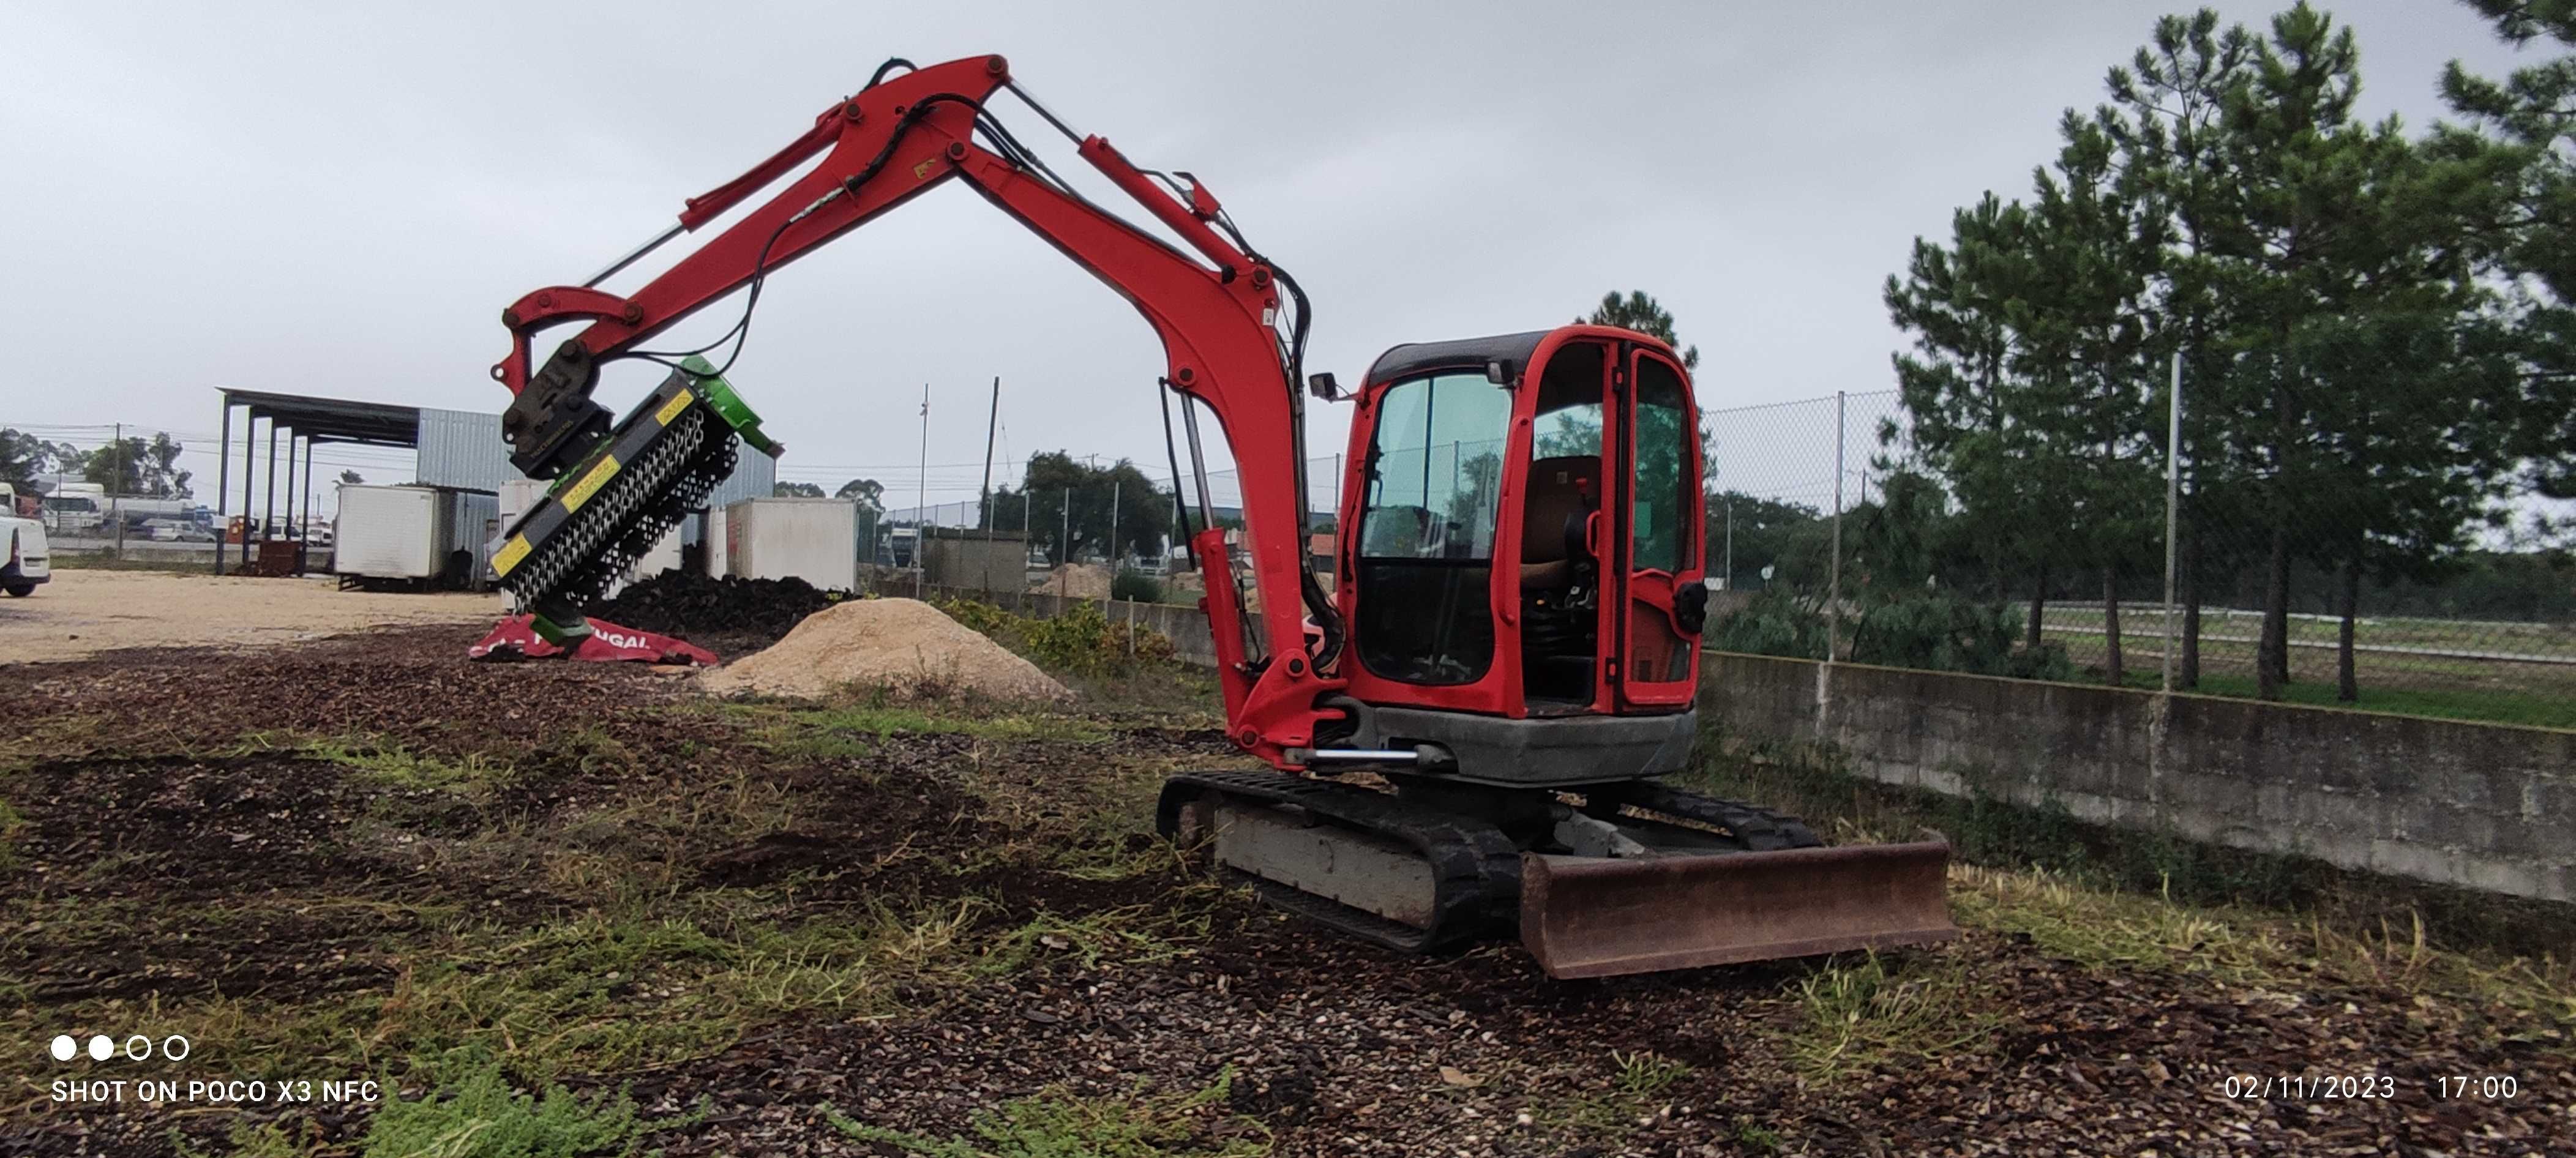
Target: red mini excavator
{"points": [[1513, 646]]}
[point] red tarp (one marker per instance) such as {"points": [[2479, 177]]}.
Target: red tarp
{"points": [[514, 638]]}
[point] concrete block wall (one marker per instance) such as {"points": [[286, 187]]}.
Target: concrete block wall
{"points": [[2482, 806]]}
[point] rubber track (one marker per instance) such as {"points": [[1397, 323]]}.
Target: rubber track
{"points": [[1756, 828], [1476, 871]]}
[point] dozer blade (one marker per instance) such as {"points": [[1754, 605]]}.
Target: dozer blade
{"points": [[652, 470], [1601, 917]]}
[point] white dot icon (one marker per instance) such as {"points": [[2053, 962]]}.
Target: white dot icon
{"points": [[100, 1049], [65, 1047]]}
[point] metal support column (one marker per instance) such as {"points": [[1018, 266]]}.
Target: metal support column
{"points": [[223, 481]]}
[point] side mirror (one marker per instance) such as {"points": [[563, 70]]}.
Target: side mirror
{"points": [[1322, 386]]}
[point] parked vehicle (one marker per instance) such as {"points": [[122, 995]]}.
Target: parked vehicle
{"points": [[27, 562], [177, 531]]}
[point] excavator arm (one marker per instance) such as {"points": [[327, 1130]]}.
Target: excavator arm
{"points": [[1217, 315]]}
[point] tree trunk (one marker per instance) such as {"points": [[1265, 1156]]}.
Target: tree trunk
{"points": [[2038, 607], [2347, 688], [2189, 676], [2272, 657], [2114, 672]]}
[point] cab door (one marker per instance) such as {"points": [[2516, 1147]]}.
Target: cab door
{"points": [[1661, 604]]}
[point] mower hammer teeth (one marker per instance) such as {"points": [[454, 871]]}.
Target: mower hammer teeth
{"points": [[656, 466]]}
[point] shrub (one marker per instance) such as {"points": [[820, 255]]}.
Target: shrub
{"points": [[1131, 583], [1772, 624]]}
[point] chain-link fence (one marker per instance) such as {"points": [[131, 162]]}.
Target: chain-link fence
{"points": [[1832, 528], [96, 484]]}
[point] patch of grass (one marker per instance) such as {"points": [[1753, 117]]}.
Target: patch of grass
{"points": [[855, 729], [393, 766], [1611, 1107], [10, 823], [2539, 708], [2103, 929], [1135, 933], [1144, 1125], [1863, 1015], [55, 738], [2112, 930], [479, 1116]]}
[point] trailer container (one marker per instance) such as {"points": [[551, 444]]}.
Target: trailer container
{"points": [[815, 540], [392, 532]]}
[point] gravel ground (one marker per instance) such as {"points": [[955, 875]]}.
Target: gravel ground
{"points": [[85, 612], [1233, 1029]]}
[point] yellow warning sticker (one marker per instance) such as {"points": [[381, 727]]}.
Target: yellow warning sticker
{"points": [[672, 408], [510, 554], [589, 485]]}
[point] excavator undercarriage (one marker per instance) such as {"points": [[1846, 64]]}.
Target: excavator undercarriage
{"points": [[1628, 878]]}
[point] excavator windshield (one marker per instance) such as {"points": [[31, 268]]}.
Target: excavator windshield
{"points": [[1426, 546]]}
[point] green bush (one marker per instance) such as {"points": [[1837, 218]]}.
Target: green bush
{"points": [[1939, 631], [1772, 624], [1082, 641], [1131, 583]]}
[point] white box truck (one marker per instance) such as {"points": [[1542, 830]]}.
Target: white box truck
{"points": [[816, 540], [391, 532]]}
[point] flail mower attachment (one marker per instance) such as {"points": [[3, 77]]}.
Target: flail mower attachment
{"points": [[655, 467]]}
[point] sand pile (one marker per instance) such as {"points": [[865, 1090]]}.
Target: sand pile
{"points": [[903, 645], [1078, 580]]}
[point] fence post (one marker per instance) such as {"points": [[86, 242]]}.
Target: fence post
{"points": [[116, 482], [1834, 583], [2173, 509]]}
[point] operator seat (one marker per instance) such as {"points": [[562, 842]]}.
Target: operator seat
{"points": [[1554, 518]]}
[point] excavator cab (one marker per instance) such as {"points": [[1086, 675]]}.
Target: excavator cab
{"points": [[1522, 556]]}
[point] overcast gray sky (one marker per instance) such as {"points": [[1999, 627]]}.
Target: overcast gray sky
{"points": [[339, 199]]}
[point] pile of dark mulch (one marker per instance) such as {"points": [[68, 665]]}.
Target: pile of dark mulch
{"points": [[742, 612]]}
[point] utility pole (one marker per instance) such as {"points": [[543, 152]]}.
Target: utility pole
{"points": [[1064, 586], [115, 483], [2173, 508], [1730, 544], [1834, 582], [992, 422], [1114, 484], [921, 504]]}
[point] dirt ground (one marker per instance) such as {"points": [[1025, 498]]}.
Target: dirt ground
{"points": [[864, 928], [83, 612]]}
